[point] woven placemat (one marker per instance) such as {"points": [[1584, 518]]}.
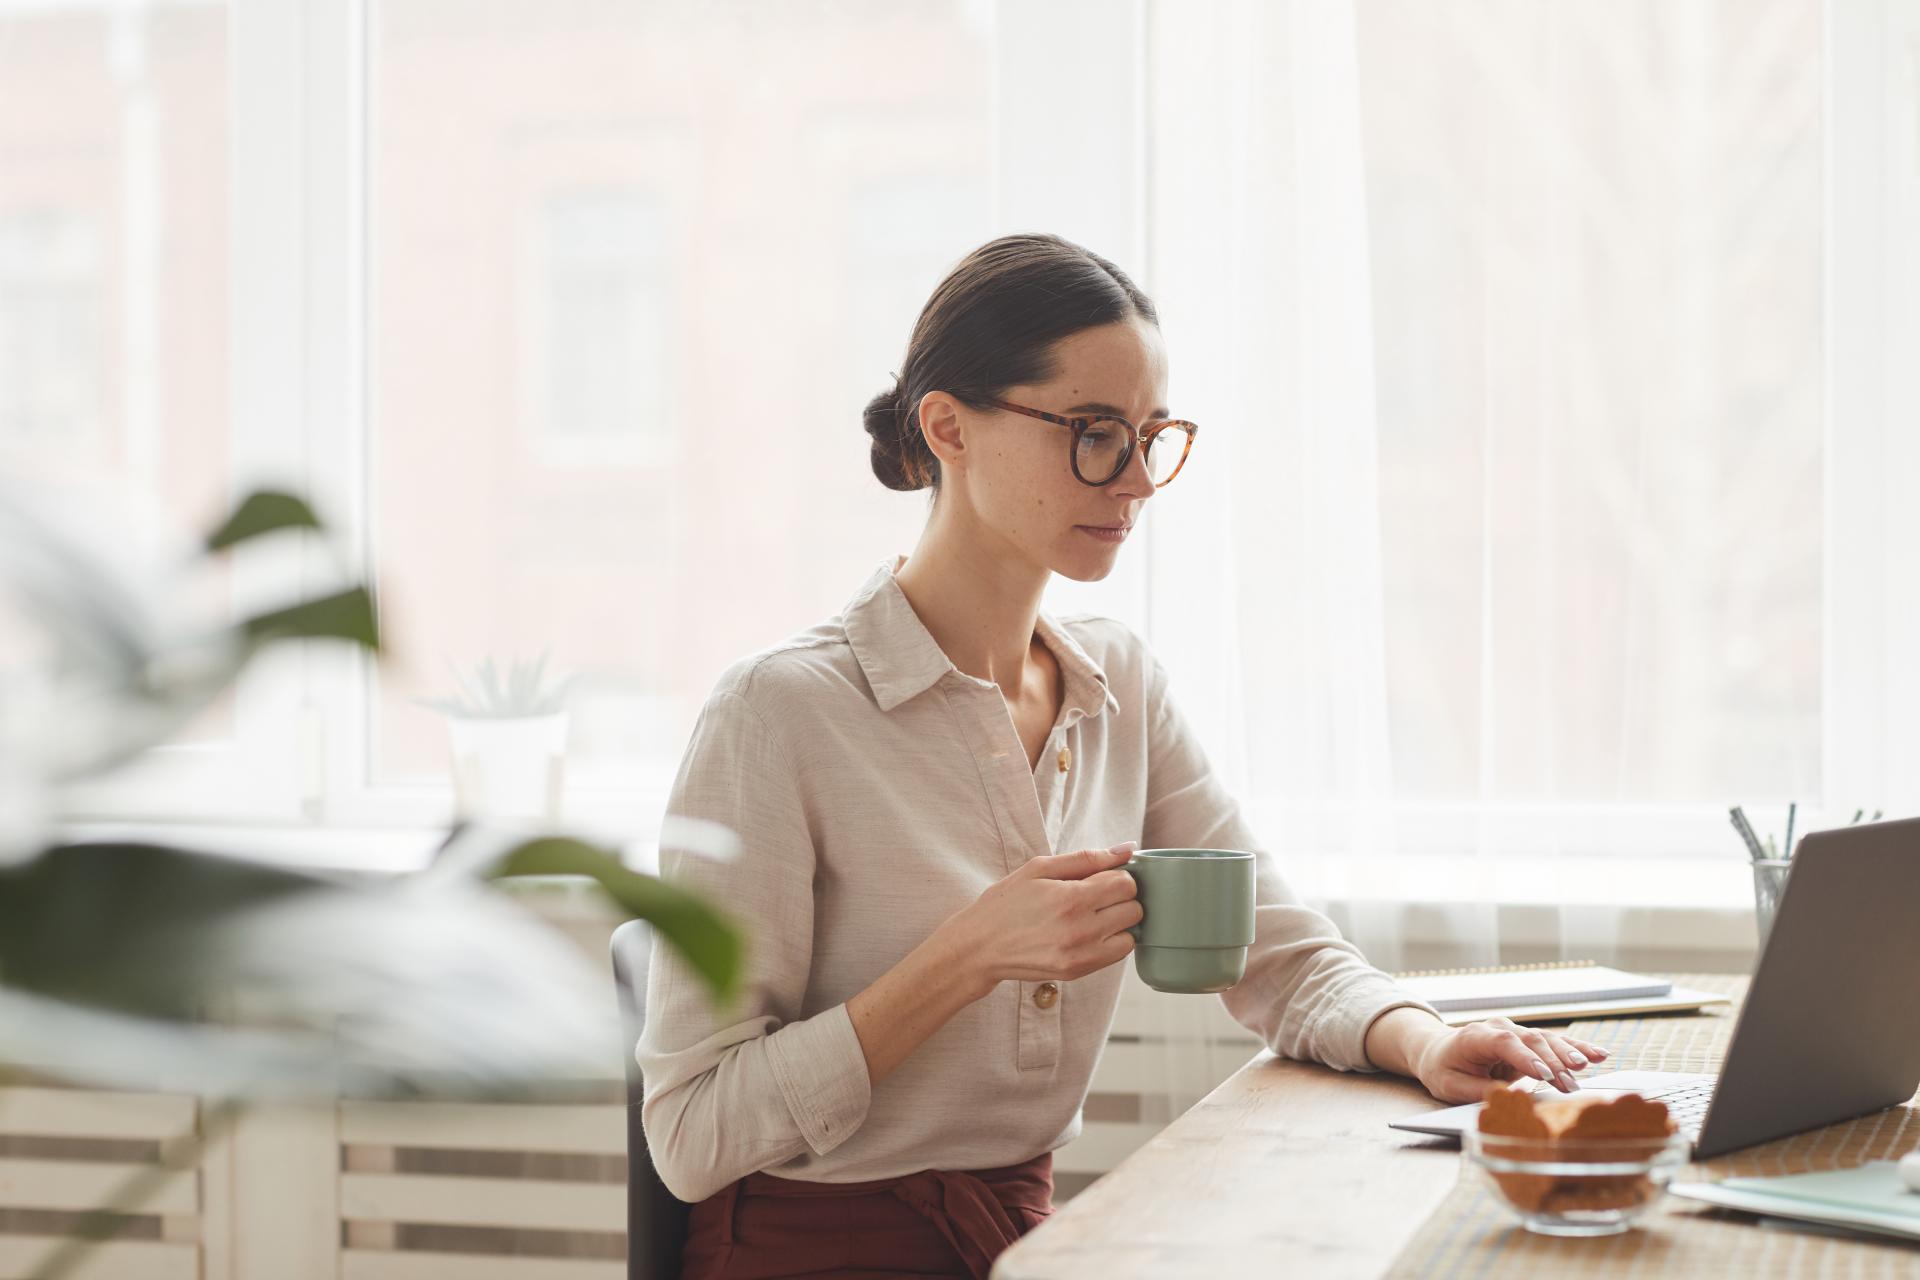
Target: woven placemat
{"points": [[1471, 1234]]}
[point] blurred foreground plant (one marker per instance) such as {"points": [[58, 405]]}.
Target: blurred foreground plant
{"points": [[133, 965]]}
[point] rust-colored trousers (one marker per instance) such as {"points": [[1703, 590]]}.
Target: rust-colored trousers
{"points": [[934, 1223]]}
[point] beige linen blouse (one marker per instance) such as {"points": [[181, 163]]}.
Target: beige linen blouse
{"points": [[877, 790]]}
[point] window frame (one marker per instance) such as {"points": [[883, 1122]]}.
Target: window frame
{"points": [[301, 410]]}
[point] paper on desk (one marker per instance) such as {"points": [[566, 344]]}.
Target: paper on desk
{"points": [[1868, 1198], [1678, 1000], [1512, 988]]}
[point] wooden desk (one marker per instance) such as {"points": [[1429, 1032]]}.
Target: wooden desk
{"points": [[1290, 1167], [1287, 1165]]}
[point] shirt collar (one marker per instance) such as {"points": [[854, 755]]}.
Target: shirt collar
{"points": [[901, 659]]}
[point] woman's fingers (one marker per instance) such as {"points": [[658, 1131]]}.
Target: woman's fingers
{"points": [[1594, 1052], [1511, 1048], [1488, 1054], [1550, 1050], [1535, 1055], [1498, 1050], [1577, 1054], [1575, 1051], [1555, 1052], [1119, 917], [1564, 1054], [1109, 887]]}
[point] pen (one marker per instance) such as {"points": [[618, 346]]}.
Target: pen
{"points": [[1789, 846], [1741, 825], [1743, 839]]}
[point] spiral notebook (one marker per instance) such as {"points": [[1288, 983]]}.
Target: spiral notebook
{"points": [[1550, 992]]}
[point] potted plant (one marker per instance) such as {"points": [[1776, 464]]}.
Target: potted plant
{"points": [[134, 965], [508, 742]]}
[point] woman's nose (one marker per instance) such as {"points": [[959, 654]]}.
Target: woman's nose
{"points": [[1134, 477]]}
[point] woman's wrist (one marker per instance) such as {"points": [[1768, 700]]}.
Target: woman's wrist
{"points": [[961, 958], [1399, 1038], [911, 1001]]}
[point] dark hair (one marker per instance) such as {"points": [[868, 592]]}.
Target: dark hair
{"points": [[990, 325]]}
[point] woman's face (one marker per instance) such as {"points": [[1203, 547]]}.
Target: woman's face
{"points": [[1012, 480]]}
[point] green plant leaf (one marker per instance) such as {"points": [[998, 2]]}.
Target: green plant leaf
{"points": [[347, 615], [262, 512], [115, 924], [706, 938], [142, 966]]}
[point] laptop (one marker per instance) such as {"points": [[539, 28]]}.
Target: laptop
{"points": [[1828, 1030]]}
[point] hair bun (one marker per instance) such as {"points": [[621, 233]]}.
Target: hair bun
{"points": [[994, 322], [899, 452]]}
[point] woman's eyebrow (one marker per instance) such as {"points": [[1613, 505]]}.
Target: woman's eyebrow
{"points": [[1096, 406]]}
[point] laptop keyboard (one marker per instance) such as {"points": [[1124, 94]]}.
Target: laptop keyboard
{"points": [[1688, 1105]]}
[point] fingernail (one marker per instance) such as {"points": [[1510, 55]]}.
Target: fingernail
{"points": [[1598, 1052], [1578, 1060], [1542, 1070], [1567, 1083]]}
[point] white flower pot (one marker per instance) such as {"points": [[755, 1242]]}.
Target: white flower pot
{"points": [[508, 767]]}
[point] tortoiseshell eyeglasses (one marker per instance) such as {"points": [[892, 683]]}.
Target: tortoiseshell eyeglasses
{"points": [[1103, 445]]}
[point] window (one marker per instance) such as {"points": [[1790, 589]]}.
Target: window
{"points": [[52, 348], [1597, 245], [611, 307], [601, 295], [115, 373], [566, 314]]}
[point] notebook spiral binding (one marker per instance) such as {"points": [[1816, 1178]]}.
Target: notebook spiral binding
{"points": [[1498, 968]]}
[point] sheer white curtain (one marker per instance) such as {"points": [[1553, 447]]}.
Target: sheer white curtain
{"points": [[1499, 575], [1265, 590], [1271, 562]]}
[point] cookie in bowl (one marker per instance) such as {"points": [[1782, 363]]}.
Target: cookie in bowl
{"points": [[1586, 1164]]}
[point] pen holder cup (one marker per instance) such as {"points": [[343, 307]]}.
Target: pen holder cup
{"points": [[1769, 882]]}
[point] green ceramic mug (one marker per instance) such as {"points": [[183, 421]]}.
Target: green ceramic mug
{"points": [[1198, 919]]}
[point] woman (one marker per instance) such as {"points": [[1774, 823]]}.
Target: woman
{"points": [[929, 982]]}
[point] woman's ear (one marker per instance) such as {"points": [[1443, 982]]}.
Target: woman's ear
{"points": [[940, 424]]}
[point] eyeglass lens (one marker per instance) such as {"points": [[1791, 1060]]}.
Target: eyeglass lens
{"points": [[1103, 451]]}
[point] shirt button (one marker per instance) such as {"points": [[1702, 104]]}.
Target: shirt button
{"points": [[1045, 994], [1066, 758]]}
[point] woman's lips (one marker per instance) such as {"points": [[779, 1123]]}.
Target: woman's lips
{"points": [[1105, 534]]}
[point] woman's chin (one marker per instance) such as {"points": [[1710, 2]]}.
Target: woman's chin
{"points": [[1088, 566]]}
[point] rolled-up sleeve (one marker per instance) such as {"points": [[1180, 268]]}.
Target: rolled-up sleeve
{"points": [[736, 1090], [1308, 992]]}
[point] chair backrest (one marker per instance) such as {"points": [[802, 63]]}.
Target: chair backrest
{"points": [[656, 1219]]}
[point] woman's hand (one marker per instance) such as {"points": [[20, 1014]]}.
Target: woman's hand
{"points": [[1463, 1063], [1058, 917]]}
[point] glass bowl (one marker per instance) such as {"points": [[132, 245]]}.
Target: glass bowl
{"points": [[1575, 1186]]}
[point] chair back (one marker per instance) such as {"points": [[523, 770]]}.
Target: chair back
{"points": [[656, 1219]]}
